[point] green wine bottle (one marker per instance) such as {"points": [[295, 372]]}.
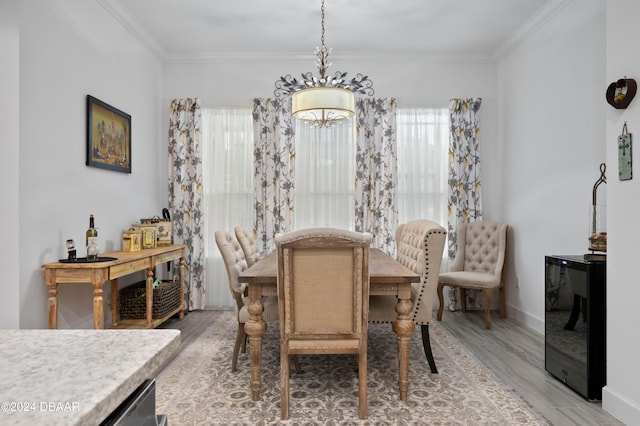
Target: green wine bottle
{"points": [[92, 241]]}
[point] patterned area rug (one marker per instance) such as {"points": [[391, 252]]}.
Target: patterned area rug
{"points": [[198, 387]]}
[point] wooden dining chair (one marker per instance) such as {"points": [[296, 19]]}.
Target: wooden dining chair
{"points": [[235, 262], [420, 247], [480, 252], [248, 243], [323, 295]]}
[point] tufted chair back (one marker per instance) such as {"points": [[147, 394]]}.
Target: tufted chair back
{"points": [[480, 247], [248, 243], [480, 253], [420, 246], [235, 263]]}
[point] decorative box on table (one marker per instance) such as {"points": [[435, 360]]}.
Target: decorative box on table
{"points": [[132, 240], [148, 234], [133, 301]]}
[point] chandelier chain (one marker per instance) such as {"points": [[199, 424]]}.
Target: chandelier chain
{"points": [[287, 84], [322, 27]]}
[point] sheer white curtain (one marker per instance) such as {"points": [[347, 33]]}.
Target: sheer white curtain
{"points": [[325, 176], [324, 179], [227, 135], [423, 145]]}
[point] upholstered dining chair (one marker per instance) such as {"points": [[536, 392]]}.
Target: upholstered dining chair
{"points": [[235, 262], [323, 295], [248, 244], [477, 265], [420, 247]]}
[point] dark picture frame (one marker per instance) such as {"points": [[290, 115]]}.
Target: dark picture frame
{"points": [[108, 136]]}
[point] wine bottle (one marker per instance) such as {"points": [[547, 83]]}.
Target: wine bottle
{"points": [[92, 241]]}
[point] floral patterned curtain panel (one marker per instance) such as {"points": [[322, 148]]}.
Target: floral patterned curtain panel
{"points": [[465, 201], [274, 160], [185, 193], [377, 171]]}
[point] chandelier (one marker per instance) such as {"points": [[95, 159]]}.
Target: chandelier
{"points": [[325, 100]]}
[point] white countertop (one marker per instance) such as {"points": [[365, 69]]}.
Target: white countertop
{"points": [[76, 377]]}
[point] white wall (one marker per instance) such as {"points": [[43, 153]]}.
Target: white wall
{"points": [[69, 49], [9, 134], [551, 121], [621, 396]]}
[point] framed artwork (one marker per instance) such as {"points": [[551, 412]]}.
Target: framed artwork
{"points": [[108, 136]]}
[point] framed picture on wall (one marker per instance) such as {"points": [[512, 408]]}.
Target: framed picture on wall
{"points": [[108, 136]]}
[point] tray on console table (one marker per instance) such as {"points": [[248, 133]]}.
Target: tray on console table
{"points": [[97, 273]]}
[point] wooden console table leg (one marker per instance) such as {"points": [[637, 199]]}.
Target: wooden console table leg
{"points": [[255, 328], [149, 294], [181, 273], [403, 327], [52, 291], [114, 301], [98, 302]]}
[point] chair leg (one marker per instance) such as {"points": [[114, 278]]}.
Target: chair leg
{"points": [[244, 343], [240, 338], [487, 308], [426, 344], [441, 299], [463, 299], [362, 386], [503, 307], [284, 384]]}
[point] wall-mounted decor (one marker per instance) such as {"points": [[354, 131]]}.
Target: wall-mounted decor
{"points": [[621, 92], [108, 136], [624, 154]]}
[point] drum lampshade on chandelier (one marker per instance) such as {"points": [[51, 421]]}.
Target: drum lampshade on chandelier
{"points": [[326, 100]]}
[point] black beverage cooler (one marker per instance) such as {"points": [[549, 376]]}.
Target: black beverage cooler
{"points": [[575, 322]]}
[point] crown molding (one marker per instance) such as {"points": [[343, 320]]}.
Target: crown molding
{"points": [[114, 7], [550, 9], [337, 59]]}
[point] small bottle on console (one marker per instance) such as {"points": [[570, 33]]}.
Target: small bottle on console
{"points": [[92, 241]]}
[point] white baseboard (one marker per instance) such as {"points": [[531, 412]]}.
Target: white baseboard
{"points": [[526, 319], [619, 407]]}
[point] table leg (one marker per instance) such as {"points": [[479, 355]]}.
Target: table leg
{"points": [[114, 301], [255, 328], [181, 273], [97, 308], [97, 282], [403, 327], [149, 295], [52, 290]]}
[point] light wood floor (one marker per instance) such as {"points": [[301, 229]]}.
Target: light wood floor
{"points": [[514, 353]]}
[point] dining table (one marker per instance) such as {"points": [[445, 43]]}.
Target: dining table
{"points": [[387, 276]]}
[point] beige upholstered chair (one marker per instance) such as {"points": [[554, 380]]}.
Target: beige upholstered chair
{"points": [[323, 294], [478, 263], [248, 244], [235, 262], [420, 247]]}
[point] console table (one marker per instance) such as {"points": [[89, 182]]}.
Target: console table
{"points": [[97, 273]]}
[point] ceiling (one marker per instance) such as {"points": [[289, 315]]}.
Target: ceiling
{"points": [[193, 29]]}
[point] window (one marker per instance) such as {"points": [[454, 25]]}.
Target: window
{"points": [[325, 178], [423, 146]]}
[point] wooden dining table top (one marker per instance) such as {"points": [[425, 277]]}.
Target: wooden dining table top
{"points": [[382, 269]]}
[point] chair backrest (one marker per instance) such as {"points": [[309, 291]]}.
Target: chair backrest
{"points": [[323, 285], [420, 247], [234, 262], [248, 243], [480, 247]]}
